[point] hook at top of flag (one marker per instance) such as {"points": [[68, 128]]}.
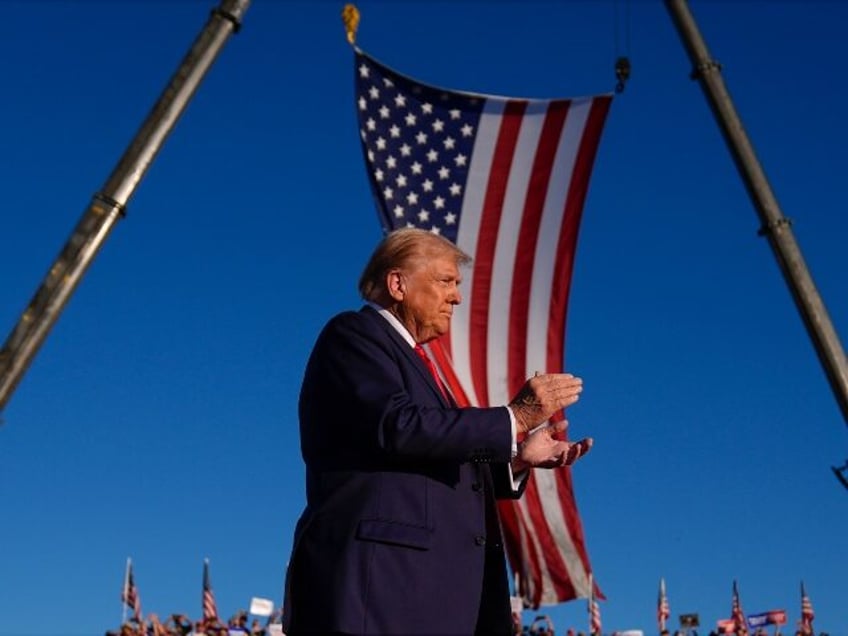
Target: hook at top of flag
{"points": [[350, 17]]}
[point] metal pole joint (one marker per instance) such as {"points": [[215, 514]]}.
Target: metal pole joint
{"points": [[772, 227], [702, 68], [226, 15]]}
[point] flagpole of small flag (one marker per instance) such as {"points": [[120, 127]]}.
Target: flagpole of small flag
{"points": [[807, 613], [126, 590], [594, 610], [737, 614], [663, 611]]}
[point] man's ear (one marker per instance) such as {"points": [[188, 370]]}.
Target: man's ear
{"points": [[395, 285]]}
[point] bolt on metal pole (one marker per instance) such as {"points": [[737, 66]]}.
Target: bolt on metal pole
{"points": [[775, 226], [109, 204]]}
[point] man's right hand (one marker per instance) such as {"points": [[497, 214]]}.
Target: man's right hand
{"points": [[542, 396]]}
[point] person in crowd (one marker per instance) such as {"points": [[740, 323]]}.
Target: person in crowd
{"points": [[179, 625], [238, 624], [400, 533]]}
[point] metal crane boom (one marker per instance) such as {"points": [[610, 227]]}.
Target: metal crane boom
{"points": [[775, 227], [109, 204]]}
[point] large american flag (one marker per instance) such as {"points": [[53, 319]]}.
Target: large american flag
{"points": [[663, 610], [130, 595], [210, 609], [505, 179], [807, 614]]}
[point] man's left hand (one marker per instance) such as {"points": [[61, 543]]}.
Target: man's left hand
{"points": [[542, 449]]}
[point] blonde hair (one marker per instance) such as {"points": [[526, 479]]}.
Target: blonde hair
{"points": [[401, 249]]}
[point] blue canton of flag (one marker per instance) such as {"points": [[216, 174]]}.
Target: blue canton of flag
{"points": [[418, 142]]}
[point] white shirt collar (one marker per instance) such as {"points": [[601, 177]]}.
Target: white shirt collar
{"points": [[394, 322]]}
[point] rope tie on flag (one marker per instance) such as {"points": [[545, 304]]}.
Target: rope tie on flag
{"points": [[350, 17], [622, 62]]}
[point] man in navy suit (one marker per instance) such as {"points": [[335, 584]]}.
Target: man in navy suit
{"points": [[400, 533]]}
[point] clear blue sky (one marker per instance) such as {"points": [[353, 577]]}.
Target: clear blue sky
{"points": [[158, 421]]}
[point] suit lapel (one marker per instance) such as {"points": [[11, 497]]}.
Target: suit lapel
{"points": [[407, 351]]}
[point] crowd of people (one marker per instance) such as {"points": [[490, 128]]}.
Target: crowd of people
{"points": [[181, 625]]}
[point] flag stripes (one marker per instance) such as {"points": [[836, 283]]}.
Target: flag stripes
{"points": [[210, 608]]}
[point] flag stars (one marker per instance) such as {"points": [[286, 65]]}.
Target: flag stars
{"points": [[418, 145]]}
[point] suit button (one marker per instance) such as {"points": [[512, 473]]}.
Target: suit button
{"points": [[476, 486], [479, 540]]}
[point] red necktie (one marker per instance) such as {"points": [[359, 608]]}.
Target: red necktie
{"points": [[432, 367]]}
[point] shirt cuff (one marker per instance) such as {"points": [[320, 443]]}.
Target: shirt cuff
{"points": [[513, 428]]}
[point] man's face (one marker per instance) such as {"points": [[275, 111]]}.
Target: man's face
{"points": [[429, 292]]}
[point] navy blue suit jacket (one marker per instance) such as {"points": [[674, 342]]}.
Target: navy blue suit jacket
{"points": [[400, 532]]}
